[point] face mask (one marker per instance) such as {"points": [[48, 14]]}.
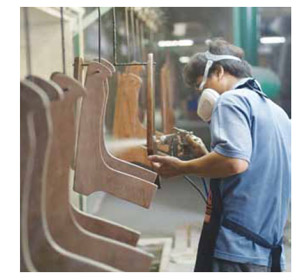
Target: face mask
{"points": [[209, 96], [206, 104]]}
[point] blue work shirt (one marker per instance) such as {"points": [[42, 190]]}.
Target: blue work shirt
{"points": [[247, 126]]}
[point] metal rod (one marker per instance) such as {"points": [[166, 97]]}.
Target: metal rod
{"points": [[114, 35], [63, 39], [133, 33], [142, 40], [99, 34], [28, 44], [127, 33], [138, 39]]}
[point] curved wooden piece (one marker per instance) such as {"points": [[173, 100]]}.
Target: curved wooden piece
{"points": [[111, 160], [39, 250], [126, 111], [90, 223], [92, 173], [62, 223], [106, 228], [126, 108]]}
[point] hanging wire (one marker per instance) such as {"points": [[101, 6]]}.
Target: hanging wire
{"points": [[27, 39], [138, 38], [99, 34], [133, 33], [142, 40], [127, 33], [195, 187], [116, 63], [204, 185], [63, 39]]}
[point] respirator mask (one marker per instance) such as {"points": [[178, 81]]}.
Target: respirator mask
{"points": [[209, 96]]}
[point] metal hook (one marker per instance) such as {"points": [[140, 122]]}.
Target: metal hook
{"points": [[63, 39]]}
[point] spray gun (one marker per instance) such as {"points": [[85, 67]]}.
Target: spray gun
{"points": [[183, 144]]}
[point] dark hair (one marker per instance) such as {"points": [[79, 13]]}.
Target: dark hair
{"points": [[196, 66]]}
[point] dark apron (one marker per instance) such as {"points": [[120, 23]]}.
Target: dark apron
{"points": [[213, 221]]}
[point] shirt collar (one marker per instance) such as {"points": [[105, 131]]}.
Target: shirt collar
{"points": [[241, 82]]}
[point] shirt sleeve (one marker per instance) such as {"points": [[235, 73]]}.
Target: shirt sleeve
{"points": [[230, 129]]}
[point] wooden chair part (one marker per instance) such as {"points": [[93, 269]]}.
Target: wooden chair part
{"points": [[92, 173], [166, 92], [110, 159], [126, 111], [38, 249], [92, 223], [78, 69], [106, 228], [151, 147], [62, 223]]}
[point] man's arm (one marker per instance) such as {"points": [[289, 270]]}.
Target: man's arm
{"points": [[212, 165]]}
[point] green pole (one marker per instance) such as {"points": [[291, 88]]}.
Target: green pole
{"points": [[245, 31]]}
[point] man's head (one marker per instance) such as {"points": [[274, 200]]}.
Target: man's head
{"points": [[222, 74]]}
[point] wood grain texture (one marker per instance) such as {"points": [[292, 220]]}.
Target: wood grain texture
{"points": [[106, 228], [166, 99], [62, 224], [38, 249], [110, 159], [92, 172], [92, 223], [127, 112], [151, 147]]}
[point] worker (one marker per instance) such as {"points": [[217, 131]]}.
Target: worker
{"points": [[249, 164]]}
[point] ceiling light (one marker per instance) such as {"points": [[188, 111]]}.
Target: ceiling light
{"points": [[272, 40], [184, 59], [175, 43]]}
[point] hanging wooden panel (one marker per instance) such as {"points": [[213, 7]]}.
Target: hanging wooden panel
{"points": [[62, 223], [92, 173], [38, 249]]}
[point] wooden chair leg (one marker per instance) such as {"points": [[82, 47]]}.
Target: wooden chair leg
{"points": [[39, 252], [90, 161], [62, 224]]}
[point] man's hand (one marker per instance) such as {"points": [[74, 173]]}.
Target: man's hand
{"points": [[166, 166]]}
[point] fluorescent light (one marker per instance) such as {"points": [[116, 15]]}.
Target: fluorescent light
{"points": [[175, 43], [184, 59], [272, 40]]}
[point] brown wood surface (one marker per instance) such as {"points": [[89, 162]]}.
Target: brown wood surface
{"points": [[62, 224], [151, 147], [106, 228], [110, 159], [94, 224], [126, 119], [166, 97], [91, 223], [92, 173], [38, 249], [78, 69]]}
